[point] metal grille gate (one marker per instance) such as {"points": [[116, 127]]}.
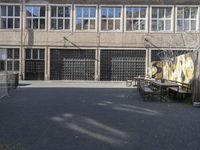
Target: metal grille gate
{"points": [[122, 65], [72, 64]]}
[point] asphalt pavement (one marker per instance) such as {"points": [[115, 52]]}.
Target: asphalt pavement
{"points": [[95, 119]]}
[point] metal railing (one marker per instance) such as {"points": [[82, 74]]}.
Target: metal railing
{"points": [[8, 82]]}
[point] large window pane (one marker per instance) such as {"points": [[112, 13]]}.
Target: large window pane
{"points": [[129, 13], [154, 13], [85, 24], [28, 23], [9, 53], [161, 12], [93, 12], [154, 25], [53, 23], [168, 12], [103, 25], [3, 10], [29, 11], [36, 11], [193, 25], [10, 11], [67, 11], [17, 11], [78, 12], [85, 12], [142, 12], [60, 12], [110, 24], [60, 23], [35, 23], [179, 25], [136, 12], [35, 53], [3, 23], [17, 23], [110, 12], [135, 25], [104, 13], [168, 25], [41, 53], [28, 53], [78, 24], [180, 13], [194, 12], [53, 11], [117, 24], [42, 23], [92, 24], [186, 25], [187, 12], [67, 24], [16, 53], [129, 25], [10, 23], [42, 11], [117, 12]]}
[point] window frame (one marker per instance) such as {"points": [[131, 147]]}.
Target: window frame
{"points": [[147, 18], [38, 53], [49, 17], [13, 60], [46, 16], [121, 18], [96, 18], [198, 19], [172, 18], [13, 17]]}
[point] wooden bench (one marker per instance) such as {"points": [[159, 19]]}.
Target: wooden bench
{"points": [[183, 90]]}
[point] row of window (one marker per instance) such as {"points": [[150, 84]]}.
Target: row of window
{"points": [[111, 18]]}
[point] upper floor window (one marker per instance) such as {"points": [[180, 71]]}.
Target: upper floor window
{"points": [[35, 54], [161, 19], [35, 17], [9, 17], [136, 18], [111, 18], [187, 19], [85, 18], [60, 17]]}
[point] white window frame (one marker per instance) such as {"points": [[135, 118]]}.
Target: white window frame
{"points": [[46, 16], [96, 18], [172, 18], [20, 14], [146, 19], [176, 18], [12, 59], [49, 16], [121, 19], [38, 54]]}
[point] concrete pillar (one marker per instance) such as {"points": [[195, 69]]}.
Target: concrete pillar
{"points": [[97, 65], [47, 63]]}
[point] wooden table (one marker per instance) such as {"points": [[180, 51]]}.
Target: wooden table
{"points": [[163, 87]]}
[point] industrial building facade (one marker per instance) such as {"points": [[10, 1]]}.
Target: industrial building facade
{"points": [[92, 39]]}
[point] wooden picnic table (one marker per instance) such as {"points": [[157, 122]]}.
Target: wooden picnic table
{"points": [[163, 86]]}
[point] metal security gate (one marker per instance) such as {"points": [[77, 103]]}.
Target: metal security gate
{"points": [[122, 65], [72, 64], [34, 64]]}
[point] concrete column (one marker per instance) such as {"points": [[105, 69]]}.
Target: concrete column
{"points": [[97, 65], [47, 64]]}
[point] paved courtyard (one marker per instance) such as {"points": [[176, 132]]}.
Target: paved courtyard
{"points": [[95, 119]]}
